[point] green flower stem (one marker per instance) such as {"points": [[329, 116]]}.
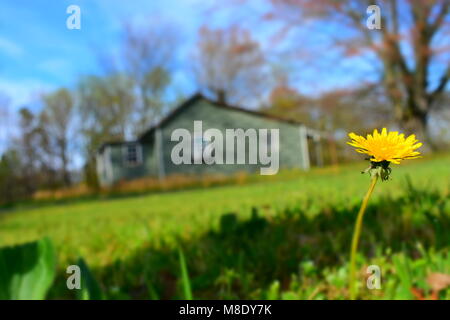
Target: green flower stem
{"points": [[356, 234]]}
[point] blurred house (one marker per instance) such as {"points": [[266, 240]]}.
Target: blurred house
{"points": [[150, 154]]}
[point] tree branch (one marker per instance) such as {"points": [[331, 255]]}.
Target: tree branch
{"points": [[440, 17], [441, 86]]}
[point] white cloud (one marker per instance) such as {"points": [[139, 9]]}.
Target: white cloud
{"points": [[23, 91], [55, 66], [10, 48]]}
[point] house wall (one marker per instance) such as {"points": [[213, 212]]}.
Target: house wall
{"points": [[221, 118], [119, 169], [291, 153], [104, 172]]}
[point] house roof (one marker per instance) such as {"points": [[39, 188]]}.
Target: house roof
{"points": [[114, 143], [190, 101], [198, 97]]}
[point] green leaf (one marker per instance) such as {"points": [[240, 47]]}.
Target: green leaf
{"points": [[403, 269], [27, 271], [90, 289], [185, 277], [274, 291]]}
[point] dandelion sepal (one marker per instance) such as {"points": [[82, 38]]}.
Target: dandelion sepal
{"points": [[379, 169]]}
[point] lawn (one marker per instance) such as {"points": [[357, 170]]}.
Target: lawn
{"points": [[281, 237]]}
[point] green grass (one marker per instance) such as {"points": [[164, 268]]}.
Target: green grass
{"points": [[243, 241]]}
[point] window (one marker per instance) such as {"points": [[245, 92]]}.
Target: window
{"points": [[132, 154]]}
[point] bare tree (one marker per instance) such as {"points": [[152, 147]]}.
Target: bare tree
{"points": [[57, 119], [148, 54], [229, 64], [411, 48], [5, 121], [124, 101], [28, 145], [106, 105]]}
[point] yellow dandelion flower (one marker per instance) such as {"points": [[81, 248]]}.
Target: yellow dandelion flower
{"points": [[392, 147], [383, 149]]}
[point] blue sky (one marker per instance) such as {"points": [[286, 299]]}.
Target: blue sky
{"points": [[38, 53]]}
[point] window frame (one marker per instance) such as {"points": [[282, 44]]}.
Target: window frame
{"points": [[126, 154]]}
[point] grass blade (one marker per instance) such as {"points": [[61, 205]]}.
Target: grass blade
{"points": [[186, 283], [90, 289]]}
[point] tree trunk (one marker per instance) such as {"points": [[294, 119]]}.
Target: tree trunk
{"points": [[418, 125], [65, 172]]}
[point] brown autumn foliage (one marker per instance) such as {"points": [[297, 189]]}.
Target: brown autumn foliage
{"points": [[143, 185], [229, 64], [409, 53]]}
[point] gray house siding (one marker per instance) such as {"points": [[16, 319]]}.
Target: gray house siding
{"points": [[157, 146], [222, 119], [116, 169]]}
